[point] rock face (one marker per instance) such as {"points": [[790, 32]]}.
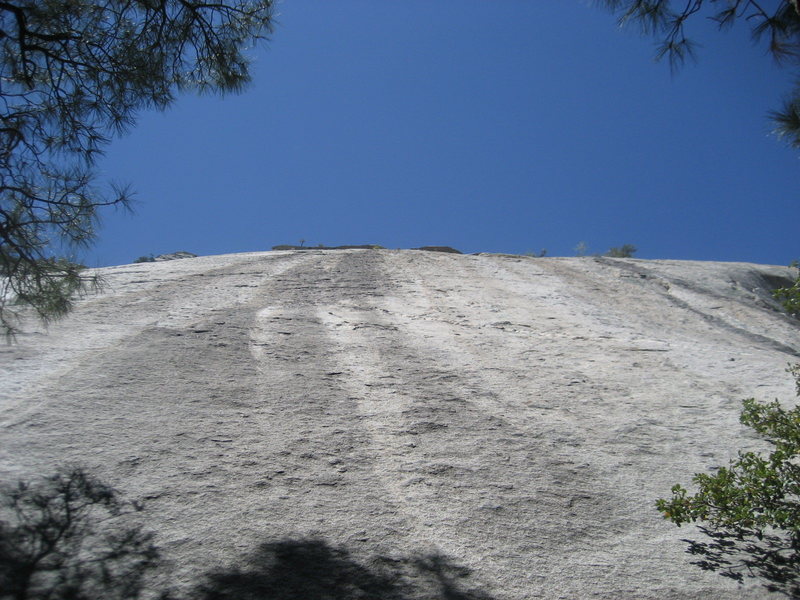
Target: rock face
{"points": [[405, 424], [174, 256]]}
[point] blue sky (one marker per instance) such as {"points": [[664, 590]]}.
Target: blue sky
{"points": [[486, 125]]}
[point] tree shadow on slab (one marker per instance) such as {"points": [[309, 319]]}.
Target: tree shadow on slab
{"points": [[67, 537], [312, 569], [771, 558]]}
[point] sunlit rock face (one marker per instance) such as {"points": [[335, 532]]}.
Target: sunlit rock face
{"points": [[405, 424]]}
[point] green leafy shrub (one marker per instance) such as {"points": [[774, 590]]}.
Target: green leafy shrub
{"points": [[789, 297], [624, 251], [751, 509]]}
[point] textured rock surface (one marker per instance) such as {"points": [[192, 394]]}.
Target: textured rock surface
{"points": [[422, 423], [174, 256]]}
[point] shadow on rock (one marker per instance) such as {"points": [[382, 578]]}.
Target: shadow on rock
{"points": [[67, 537], [774, 559], [314, 570]]}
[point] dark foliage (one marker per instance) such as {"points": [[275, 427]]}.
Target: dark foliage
{"points": [[624, 251], [789, 297], [439, 249], [775, 24], [74, 73], [145, 259]]}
